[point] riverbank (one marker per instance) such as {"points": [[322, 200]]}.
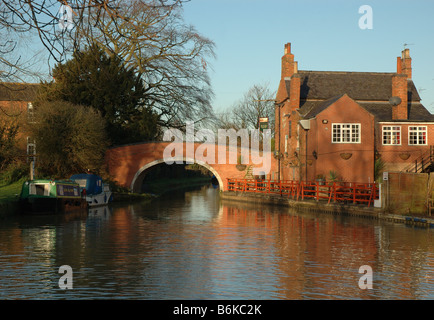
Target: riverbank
{"points": [[324, 207], [9, 196], [9, 193]]}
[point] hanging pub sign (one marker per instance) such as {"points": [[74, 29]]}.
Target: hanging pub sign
{"points": [[263, 123]]}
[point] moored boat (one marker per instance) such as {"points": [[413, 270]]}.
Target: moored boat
{"points": [[92, 186], [50, 196]]}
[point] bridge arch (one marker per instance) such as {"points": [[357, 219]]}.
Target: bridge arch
{"points": [[126, 163], [138, 177]]}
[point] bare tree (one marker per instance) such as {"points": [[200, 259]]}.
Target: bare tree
{"points": [[225, 120], [149, 35], [14, 36], [256, 103], [170, 56]]}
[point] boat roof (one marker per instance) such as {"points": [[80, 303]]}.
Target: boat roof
{"points": [[85, 176], [51, 181]]}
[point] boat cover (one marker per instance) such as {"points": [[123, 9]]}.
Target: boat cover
{"points": [[93, 182]]}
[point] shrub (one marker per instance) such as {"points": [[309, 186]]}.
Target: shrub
{"points": [[14, 172], [69, 139]]}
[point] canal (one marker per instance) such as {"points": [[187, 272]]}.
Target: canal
{"points": [[191, 245]]}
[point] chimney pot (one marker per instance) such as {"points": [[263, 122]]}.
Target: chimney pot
{"points": [[288, 67], [398, 65], [288, 48], [406, 63]]}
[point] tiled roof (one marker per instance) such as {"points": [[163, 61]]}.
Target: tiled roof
{"points": [[382, 110], [372, 90], [18, 91], [310, 109], [358, 85]]}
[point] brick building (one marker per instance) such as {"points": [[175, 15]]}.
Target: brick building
{"points": [[16, 105], [344, 121]]}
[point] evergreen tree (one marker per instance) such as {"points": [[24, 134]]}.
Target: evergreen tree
{"points": [[101, 81]]}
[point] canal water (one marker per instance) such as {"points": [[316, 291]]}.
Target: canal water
{"points": [[190, 244]]}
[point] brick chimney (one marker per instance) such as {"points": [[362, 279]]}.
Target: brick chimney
{"points": [[290, 79], [289, 73], [294, 92], [399, 89], [404, 63], [289, 66]]}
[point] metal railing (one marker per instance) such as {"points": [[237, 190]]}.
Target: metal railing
{"points": [[346, 192], [421, 163]]}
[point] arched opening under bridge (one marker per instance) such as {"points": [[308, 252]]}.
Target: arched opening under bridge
{"points": [[138, 179]]}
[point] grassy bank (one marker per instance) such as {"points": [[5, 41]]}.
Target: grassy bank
{"points": [[9, 192], [8, 196]]}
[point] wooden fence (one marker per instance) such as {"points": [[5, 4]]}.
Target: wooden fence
{"points": [[347, 192]]}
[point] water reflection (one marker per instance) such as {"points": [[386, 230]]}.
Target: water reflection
{"points": [[192, 245]]}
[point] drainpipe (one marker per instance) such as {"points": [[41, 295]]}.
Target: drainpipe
{"points": [[278, 154], [305, 124], [305, 177]]}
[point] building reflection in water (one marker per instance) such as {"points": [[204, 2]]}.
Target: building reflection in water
{"points": [[192, 245], [319, 255]]}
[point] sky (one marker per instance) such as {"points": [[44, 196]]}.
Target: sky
{"points": [[324, 34]]}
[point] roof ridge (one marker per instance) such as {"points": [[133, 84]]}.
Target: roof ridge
{"points": [[346, 72]]}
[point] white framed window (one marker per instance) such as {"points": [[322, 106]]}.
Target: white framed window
{"points": [[346, 133], [30, 113], [417, 135], [391, 135]]}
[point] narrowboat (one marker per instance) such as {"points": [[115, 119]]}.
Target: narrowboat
{"points": [[93, 188], [50, 196]]}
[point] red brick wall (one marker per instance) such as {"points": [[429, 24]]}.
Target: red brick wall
{"points": [[360, 166], [398, 157], [289, 70], [16, 110], [124, 162], [289, 149], [399, 89]]}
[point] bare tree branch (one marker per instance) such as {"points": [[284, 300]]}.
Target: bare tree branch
{"points": [[149, 35], [257, 102]]}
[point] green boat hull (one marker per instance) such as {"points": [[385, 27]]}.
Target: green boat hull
{"points": [[50, 196]]}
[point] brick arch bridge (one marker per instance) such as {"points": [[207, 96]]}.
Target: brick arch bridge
{"points": [[127, 164]]}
